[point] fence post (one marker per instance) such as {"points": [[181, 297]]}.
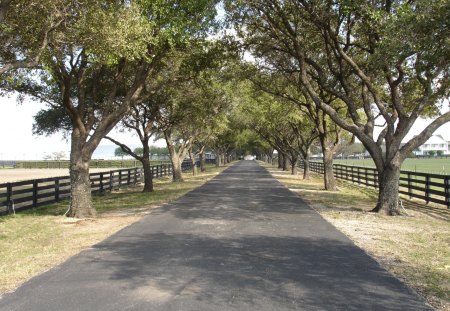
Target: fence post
{"points": [[9, 194], [447, 190], [35, 193], [111, 180], [409, 186], [427, 189], [56, 189], [120, 178], [101, 183], [129, 177]]}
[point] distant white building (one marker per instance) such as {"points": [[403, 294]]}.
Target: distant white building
{"points": [[434, 143]]}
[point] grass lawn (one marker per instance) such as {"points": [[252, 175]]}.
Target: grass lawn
{"points": [[34, 241], [415, 248], [426, 165]]}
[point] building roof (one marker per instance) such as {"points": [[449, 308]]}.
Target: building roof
{"points": [[436, 139]]}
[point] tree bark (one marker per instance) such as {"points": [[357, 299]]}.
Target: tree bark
{"points": [[192, 158], [280, 160], [285, 160], [80, 186], [306, 169], [148, 174], [177, 175], [217, 160], [388, 180], [293, 160], [202, 161], [328, 176], [329, 180]]}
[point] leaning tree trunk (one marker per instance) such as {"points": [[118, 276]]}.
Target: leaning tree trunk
{"points": [[148, 174], [80, 185], [388, 181]]}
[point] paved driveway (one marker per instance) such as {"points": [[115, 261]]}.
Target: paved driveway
{"points": [[240, 242]]}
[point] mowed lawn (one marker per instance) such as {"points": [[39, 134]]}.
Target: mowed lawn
{"points": [[427, 165]]}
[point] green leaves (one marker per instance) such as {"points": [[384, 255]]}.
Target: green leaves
{"points": [[116, 32]]}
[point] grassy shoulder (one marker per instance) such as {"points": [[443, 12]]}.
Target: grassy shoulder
{"points": [[414, 248], [34, 241]]}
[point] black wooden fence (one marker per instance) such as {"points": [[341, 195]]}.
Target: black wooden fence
{"points": [[428, 187], [22, 195]]}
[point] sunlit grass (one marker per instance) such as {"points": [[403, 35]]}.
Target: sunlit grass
{"points": [[425, 165]]}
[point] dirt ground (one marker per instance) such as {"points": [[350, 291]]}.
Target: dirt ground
{"points": [[19, 174]]}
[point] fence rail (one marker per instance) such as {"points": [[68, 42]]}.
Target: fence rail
{"points": [[22, 195], [428, 187]]}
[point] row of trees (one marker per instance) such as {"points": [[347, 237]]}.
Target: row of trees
{"points": [[146, 65], [356, 66], [317, 73]]}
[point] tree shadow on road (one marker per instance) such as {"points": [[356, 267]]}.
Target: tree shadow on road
{"points": [[256, 272]]}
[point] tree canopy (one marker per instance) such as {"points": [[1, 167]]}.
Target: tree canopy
{"points": [[308, 71]]}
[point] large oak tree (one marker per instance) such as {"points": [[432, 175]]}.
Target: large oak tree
{"points": [[387, 61], [95, 67]]}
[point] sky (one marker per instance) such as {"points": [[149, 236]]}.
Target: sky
{"points": [[18, 143]]}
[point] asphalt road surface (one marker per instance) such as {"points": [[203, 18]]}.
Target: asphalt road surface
{"points": [[242, 241]]}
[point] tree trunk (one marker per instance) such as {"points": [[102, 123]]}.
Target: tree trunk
{"points": [[202, 161], [177, 175], [328, 177], [148, 178], [192, 158], [285, 160], [329, 180], [217, 160], [80, 185], [293, 161], [280, 160], [306, 169], [175, 158], [388, 180]]}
